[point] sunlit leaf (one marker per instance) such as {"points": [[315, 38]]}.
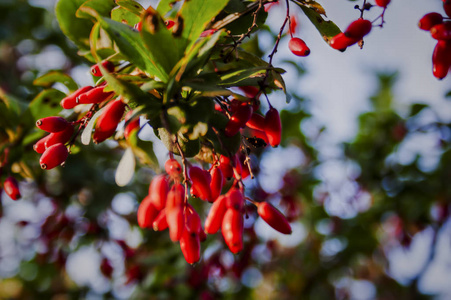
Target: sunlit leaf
{"points": [[74, 28], [87, 132], [52, 77], [125, 168]]}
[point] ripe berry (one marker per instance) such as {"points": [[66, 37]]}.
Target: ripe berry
{"points": [[169, 24], [53, 156], [190, 246], [441, 59], [441, 31], [201, 183], [176, 196], [293, 24], [109, 119], [160, 223], [298, 47], [176, 222], [95, 95], [447, 7], [132, 126], [192, 221], [382, 3], [173, 168], [273, 127], [52, 124], [71, 100], [238, 119], [147, 213], [274, 217], [39, 147], [59, 137], [215, 215], [430, 20], [232, 230], [106, 268], [256, 121], [158, 191], [358, 29], [235, 199], [138, 26], [11, 187], [108, 65], [225, 164], [341, 41], [216, 183]]}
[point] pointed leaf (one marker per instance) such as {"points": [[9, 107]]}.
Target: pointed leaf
{"points": [[52, 77], [87, 132], [327, 29], [132, 6], [123, 15], [102, 7], [74, 28]]}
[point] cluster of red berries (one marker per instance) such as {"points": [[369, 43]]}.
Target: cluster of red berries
{"points": [[440, 29], [353, 34], [53, 146], [166, 207]]}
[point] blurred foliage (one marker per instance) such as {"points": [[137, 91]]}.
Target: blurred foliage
{"points": [[73, 206]]}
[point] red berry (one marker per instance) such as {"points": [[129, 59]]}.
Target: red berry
{"points": [[341, 41], [108, 120], [11, 187], [430, 20], [108, 65], [232, 230], [176, 222], [273, 127], [298, 47], [358, 29], [201, 184], [53, 156], [71, 100], [215, 215], [138, 26], [216, 183], [293, 24], [176, 196], [441, 58], [273, 217], [238, 119], [441, 31], [447, 7], [256, 121], [39, 147], [173, 168], [59, 137], [106, 268], [382, 3], [52, 124], [158, 191], [190, 246], [208, 32], [147, 213], [95, 95], [169, 24], [225, 164], [250, 91], [132, 126], [193, 223], [235, 200], [160, 223]]}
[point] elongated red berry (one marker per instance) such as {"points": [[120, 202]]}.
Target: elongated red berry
{"points": [[11, 187], [190, 246], [39, 147], [138, 26], [235, 199], [238, 119], [95, 95], [298, 47], [225, 164], [192, 221], [108, 65], [169, 24], [447, 7], [59, 137], [293, 24], [173, 168], [430, 20], [53, 156], [176, 196], [232, 230], [382, 3], [273, 127], [217, 180], [256, 121], [101, 135], [441, 31], [52, 124], [111, 116], [147, 213], [201, 184], [158, 191], [160, 223], [71, 100], [176, 222], [441, 59], [250, 91], [259, 134], [341, 41], [131, 127], [215, 215], [274, 217], [358, 29]]}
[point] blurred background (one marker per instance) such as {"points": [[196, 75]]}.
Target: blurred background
{"points": [[363, 174]]}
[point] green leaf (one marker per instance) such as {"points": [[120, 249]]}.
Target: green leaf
{"points": [[189, 147], [123, 15], [163, 47], [416, 108], [102, 7], [196, 15], [313, 5], [52, 77], [164, 6], [74, 28], [132, 6], [327, 29]]}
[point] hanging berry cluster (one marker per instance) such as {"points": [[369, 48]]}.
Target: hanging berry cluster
{"points": [[440, 29]]}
